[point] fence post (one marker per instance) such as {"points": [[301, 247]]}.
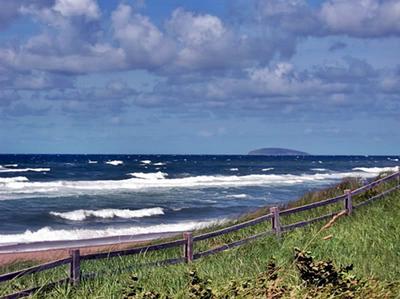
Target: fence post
{"points": [[188, 247], [348, 202], [75, 267], [398, 175], [276, 222]]}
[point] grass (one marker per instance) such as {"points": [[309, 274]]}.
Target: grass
{"points": [[369, 239]]}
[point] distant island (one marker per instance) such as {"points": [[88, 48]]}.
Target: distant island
{"points": [[274, 151]]}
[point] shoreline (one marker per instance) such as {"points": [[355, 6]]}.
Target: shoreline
{"points": [[52, 250]]}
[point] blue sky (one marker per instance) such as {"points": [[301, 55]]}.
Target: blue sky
{"points": [[199, 77]]}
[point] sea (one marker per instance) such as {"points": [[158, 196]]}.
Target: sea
{"points": [[74, 197]]}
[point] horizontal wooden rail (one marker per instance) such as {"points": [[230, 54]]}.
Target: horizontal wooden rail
{"points": [[232, 228], [231, 245], [35, 269], [373, 198], [312, 205], [292, 226], [375, 183], [28, 292], [96, 256]]}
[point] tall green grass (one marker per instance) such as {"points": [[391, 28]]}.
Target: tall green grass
{"points": [[369, 239]]}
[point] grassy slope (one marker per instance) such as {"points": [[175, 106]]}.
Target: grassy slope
{"points": [[369, 239]]}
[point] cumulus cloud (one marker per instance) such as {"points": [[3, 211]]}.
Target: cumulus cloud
{"points": [[361, 18], [68, 8], [144, 45], [356, 18], [204, 62]]}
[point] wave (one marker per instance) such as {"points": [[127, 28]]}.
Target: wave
{"points": [[145, 181], [234, 169], [149, 176], [159, 164], [11, 165], [394, 159], [319, 169], [92, 162], [14, 179], [115, 162], [4, 169], [267, 169], [80, 215], [146, 162], [49, 234], [377, 170], [237, 196]]}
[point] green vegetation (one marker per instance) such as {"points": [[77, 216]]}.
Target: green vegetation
{"points": [[264, 268]]}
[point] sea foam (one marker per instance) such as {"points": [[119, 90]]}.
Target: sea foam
{"points": [[115, 162], [14, 179], [149, 176], [80, 215], [148, 181], [376, 169], [50, 234], [4, 169]]}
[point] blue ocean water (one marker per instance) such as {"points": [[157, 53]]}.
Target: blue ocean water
{"points": [[68, 197]]}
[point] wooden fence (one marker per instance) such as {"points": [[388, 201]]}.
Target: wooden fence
{"points": [[188, 240]]}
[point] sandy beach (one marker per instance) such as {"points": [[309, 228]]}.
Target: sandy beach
{"points": [[53, 250]]}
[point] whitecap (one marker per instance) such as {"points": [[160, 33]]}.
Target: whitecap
{"points": [[159, 164], [234, 169], [238, 196], [142, 182], [149, 176], [50, 234], [145, 162], [3, 169], [92, 162], [319, 169], [115, 162], [393, 159], [80, 215], [376, 170], [267, 169], [14, 179]]}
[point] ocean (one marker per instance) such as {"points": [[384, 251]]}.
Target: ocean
{"points": [[72, 197]]}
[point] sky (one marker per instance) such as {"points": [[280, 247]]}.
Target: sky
{"points": [[199, 77]]}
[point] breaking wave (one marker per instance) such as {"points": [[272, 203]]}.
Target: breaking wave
{"points": [[80, 215], [376, 170], [319, 169], [115, 162], [149, 176], [49, 234], [4, 169], [144, 181], [14, 179], [237, 196]]}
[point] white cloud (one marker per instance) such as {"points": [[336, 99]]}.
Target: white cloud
{"points": [[68, 8], [144, 44], [196, 30], [362, 18]]}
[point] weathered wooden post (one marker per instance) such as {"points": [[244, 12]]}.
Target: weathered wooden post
{"points": [[188, 247], [348, 202], [75, 267], [276, 222], [398, 175]]}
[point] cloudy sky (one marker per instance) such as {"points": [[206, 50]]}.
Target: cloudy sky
{"points": [[210, 76]]}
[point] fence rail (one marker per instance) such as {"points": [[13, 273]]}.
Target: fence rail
{"points": [[188, 240]]}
